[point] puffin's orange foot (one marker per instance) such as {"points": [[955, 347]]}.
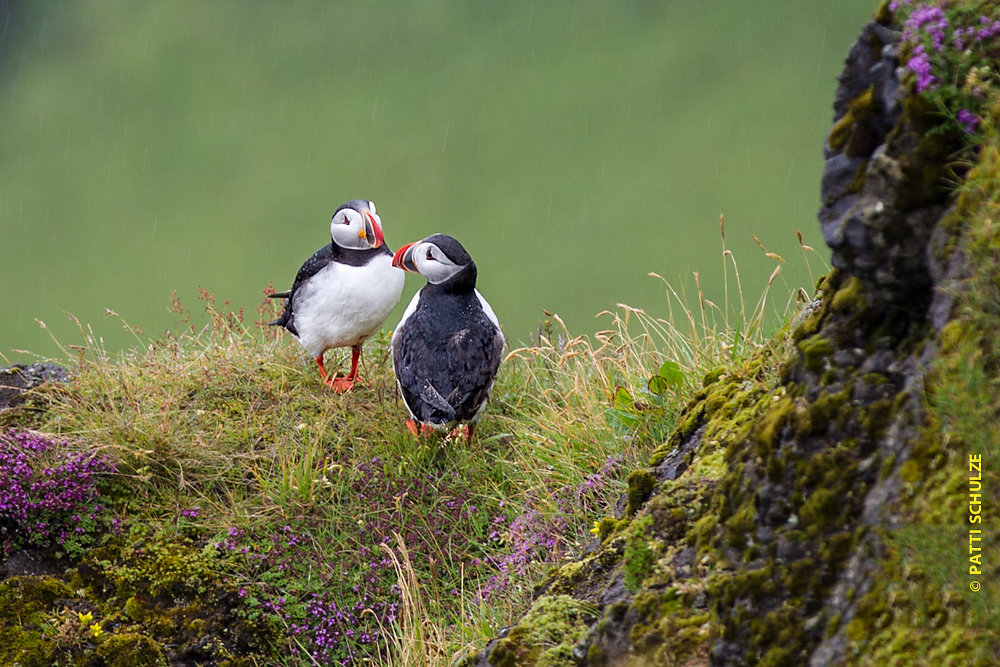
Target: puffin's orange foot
{"points": [[418, 429], [463, 431], [340, 385]]}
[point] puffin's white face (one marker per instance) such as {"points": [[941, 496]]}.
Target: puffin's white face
{"points": [[430, 261], [357, 230]]}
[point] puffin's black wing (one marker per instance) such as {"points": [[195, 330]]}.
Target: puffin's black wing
{"points": [[446, 375], [415, 354], [313, 265], [475, 352]]}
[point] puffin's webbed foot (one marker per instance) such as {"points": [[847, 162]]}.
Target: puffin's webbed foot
{"points": [[419, 429]]}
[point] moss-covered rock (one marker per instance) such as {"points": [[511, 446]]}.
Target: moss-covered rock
{"points": [[142, 599], [547, 634]]}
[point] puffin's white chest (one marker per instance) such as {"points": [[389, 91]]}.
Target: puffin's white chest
{"points": [[343, 305]]}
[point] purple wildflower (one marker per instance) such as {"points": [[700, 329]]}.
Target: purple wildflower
{"points": [[920, 64], [968, 120], [47, 492], [988, 30], [929, 19]]}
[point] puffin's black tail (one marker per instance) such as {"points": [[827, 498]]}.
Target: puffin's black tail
{"points": [[286, 316], [437, 408]]}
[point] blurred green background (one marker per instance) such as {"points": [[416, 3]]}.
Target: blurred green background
{"points": [[573, 146]]}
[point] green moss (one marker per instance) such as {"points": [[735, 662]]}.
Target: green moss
{"points": [[27, 597], [709, 466], [638, 559], [134, 627], [821, 511], [769, 427], [877, 417], [815, 351], [596, 656], [134, 609], [605, 527], [641, 484], [25, 606], [808, 326], [546, 634], [817, 417], [714, 375], [130, 650], [850, 297], [953, 338], [740, 525], [853, 133]]}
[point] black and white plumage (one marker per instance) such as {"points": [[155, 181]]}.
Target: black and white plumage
{"points": [[344, 292], [447, 347]]}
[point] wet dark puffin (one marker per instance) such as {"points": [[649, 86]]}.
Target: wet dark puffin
{"points": [[447, 347], [344, 292]]}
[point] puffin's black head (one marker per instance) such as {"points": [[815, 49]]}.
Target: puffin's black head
{"points": [[356, 226], [439, 258]]}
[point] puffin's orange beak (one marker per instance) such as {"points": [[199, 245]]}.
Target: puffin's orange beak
{"points": [[375, 230], [403, 259]]}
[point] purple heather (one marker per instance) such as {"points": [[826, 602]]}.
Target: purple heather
{"points": [[968, 120], [920, 65], [47, 492]]}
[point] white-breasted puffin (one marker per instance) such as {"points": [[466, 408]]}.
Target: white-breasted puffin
{"points": [[447, 347], [344, 292]]}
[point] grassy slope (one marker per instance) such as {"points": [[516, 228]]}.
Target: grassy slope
{"points": [[319, 512]]}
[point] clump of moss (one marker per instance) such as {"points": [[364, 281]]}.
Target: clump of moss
{"points": [[25, 607], [850, 297], [546, 635], [815, 351], [129, 649], [641, 484], [853, 133], [638, 559]]}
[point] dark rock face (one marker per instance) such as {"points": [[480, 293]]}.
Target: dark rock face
{"points": [[17, 379], [882, 188]]}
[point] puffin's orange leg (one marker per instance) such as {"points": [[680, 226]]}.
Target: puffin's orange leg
{"points": [[322, 371], [463, 431], [346, 383]]}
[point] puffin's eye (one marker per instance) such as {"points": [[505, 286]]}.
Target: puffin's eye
{"points": [[430, 254]]}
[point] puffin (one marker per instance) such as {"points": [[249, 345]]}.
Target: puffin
{"points": [[345, 291], [447, 346]]}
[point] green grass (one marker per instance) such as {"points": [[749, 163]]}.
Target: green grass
{"points": [[251, 475]]}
